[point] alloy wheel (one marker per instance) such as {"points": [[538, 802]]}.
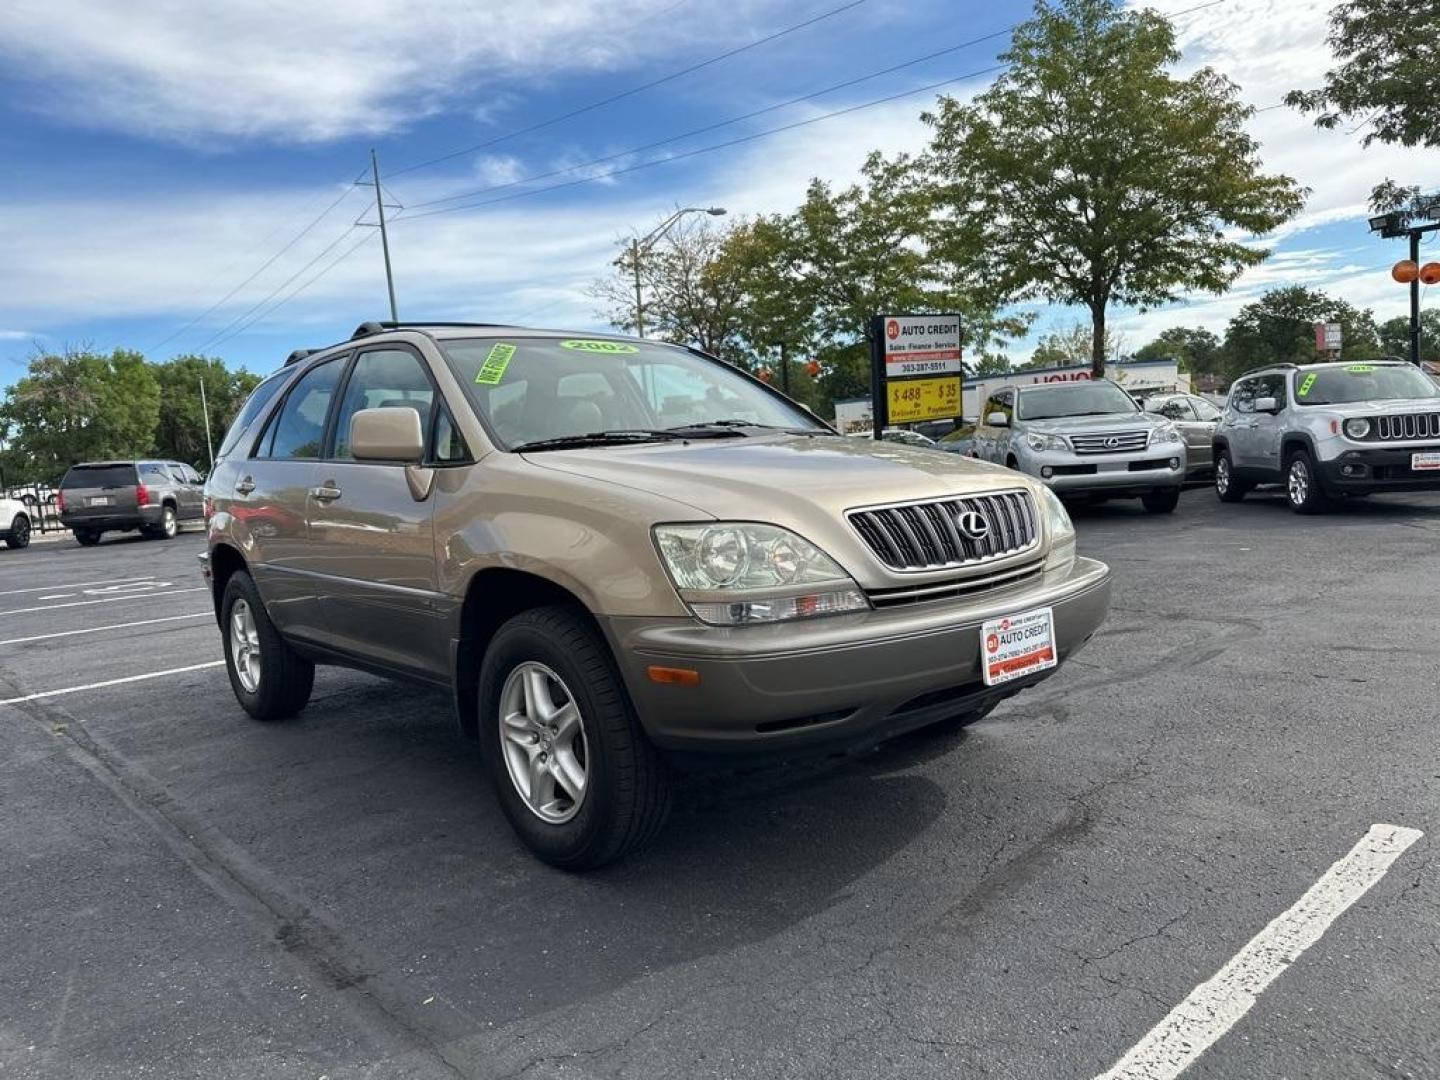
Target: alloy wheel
{"points": [[245, 646], [1299, 482], [542, 736], [1222, 476]]}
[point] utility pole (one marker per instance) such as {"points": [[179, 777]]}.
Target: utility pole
{"points": [[1406, 221], [784, 369], [640, 247], [1415, 299], [384, 236], [639, 303], [205, 408]]}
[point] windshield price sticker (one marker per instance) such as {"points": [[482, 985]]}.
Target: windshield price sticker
{"points": [[1017, 645], [493, 370], [921, 345], [1307, 384], [924, 399]]}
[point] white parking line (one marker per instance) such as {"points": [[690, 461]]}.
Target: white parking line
{"points": [[106, 600], [1214, 1007], [75, 584], [112, 682], [112, 626]]}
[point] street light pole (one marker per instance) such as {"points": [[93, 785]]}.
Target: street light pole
{"points": [[639, 247], [1415, 300]]}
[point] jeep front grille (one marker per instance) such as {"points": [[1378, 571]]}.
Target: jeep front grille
{"points": [[929, 535], [1109, 442], [1413, 426]]}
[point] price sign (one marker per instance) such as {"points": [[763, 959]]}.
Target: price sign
{"points": [[924, 399]]}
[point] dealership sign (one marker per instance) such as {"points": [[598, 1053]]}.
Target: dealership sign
{"points": [[915, 368], [921, 345]]}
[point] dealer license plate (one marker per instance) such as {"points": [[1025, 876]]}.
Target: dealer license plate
{"points": [[1425, 462], [100, 500], [1017, 645]]}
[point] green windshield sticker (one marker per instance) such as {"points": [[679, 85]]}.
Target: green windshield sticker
{"points": [[1307, 384], [1360, 369], [493, 370], [600, 346]]}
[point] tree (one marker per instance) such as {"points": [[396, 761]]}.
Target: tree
{"points": [[1069, 348], [1196, 349], [180, 433], [991, 363], [1388, 53], [1395, 336], [1280, 327], [80, 405], [1088, 174]]}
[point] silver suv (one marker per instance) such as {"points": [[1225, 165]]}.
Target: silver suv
{"points": [[1325, 430], [1085, 437], [613, 552]]}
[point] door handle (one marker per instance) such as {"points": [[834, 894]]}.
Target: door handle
{"points": [[245, 485], [325, 492]]}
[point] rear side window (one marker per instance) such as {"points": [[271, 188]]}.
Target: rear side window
{"points": [[259, 398], [155, 474], [98, 476], [299, 430]]}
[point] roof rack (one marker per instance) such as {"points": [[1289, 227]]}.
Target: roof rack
{"points": [[367, 329], [1283, 365], [298, 355]]}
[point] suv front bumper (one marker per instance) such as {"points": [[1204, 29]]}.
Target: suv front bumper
{"points": [[840, 682], [1114, 474], [1360, 472]]}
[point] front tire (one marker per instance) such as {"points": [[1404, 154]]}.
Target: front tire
{"points": [[270, 679], [574, 773], [1302, 485], [1162, 501], [19, 532], [1227, 488]]}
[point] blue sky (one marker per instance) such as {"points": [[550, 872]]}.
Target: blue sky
{"points": [[157, 153]]}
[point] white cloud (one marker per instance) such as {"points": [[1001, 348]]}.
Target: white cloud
{"points": [[309, 71], [17, 335]]}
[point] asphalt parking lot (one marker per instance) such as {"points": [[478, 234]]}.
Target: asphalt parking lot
{"points": [[189, 893]]}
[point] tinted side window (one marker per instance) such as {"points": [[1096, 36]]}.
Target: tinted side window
{"points": [[1273, 386], [252, 408], [299, 430], [383, 379]]}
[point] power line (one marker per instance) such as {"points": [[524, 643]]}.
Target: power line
{"points": [[582, 110], [718, 124], [260, 270]]}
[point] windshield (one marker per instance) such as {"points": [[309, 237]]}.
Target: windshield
{"points": [[1362, 382], [531, 390], [1095, 398]]}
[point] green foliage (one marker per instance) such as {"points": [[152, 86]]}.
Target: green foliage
{"points": [[991, 363], [1196, 349], [1089, 174], [1388, 53], [1280, 327], [1395, 336], [180, 433]]}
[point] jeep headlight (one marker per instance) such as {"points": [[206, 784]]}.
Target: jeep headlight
{"points": [[1059, 531], [730, 573], [1038, 440], [1165, 433], [1357, 427]]}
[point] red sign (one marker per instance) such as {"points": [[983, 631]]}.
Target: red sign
{"points": [[892, 329]]}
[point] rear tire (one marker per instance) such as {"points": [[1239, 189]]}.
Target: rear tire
{"points": [[624, 790], [270, 679], [1227, 487], [19, 532], [167, 528], [1302, 485], [87, 537], [1162, 501]]}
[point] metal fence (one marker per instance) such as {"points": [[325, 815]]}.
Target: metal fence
{"points": [[40, 503]]}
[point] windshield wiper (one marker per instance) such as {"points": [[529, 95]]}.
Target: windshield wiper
{"points": [[729, 426], [599, 438]]}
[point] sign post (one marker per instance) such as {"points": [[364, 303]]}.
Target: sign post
{"points": [[915, 371]]}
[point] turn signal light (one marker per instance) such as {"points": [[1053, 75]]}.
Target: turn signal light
{"points": [[673, 676]]}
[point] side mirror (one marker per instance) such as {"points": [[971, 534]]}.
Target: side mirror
{"points": [[387, 435], [997, 419], [1266, 405]]}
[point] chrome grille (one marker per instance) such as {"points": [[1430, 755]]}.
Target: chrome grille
{"points": [[926, 535], [1413, 426], [1109, 442], [954, 588]]}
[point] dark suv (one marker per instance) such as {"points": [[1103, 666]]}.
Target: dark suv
{"points": [[116, 496]]}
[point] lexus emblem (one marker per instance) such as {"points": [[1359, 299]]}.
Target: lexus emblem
{"points": [[972, 526], [1112, 442]]}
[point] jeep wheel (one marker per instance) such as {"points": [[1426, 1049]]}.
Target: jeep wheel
{"points": [[1161, 500], [19, 532], [270, 679], [1302, 485], [1228, 488], [575, 775], [87, 537]]}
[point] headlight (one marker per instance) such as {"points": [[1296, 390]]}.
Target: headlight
{"points": [[1059, 530], [735, 572], [1039, 441], [1165, 433], [1357, 428]]}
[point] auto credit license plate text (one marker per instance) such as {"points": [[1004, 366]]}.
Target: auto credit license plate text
{"points": [[1017, 645]]}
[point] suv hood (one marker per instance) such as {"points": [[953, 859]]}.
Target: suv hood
{"points": [[1392, 407], [1062, 425], [784, 479]]}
